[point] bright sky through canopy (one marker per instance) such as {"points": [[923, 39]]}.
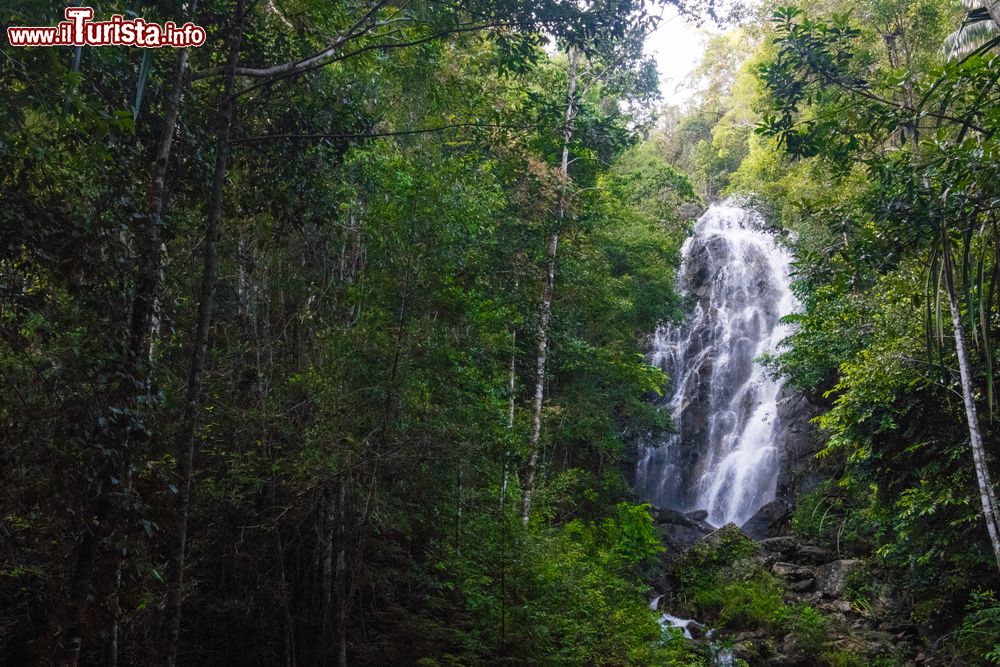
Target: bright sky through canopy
{"points": [[678, 45]]}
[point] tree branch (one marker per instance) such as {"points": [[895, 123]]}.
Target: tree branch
{"points": [[355, 31], [371, 135]]}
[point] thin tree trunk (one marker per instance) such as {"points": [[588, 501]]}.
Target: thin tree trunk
{"points": [[329, 539], [511, 396], [111, 654], [340, 574], [199, 348], [75, 614], [512, 380], [545, 310], [458, 518], [286, 609], [112, 649], [986, 494], [150, 244]]}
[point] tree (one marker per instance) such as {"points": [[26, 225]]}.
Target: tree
{"points": [[813, 65], [615, 59]]}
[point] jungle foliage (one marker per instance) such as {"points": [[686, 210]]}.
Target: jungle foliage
{"points": [[268, 330]]}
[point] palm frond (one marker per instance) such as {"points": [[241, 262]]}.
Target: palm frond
{"points": [[972, 35]]}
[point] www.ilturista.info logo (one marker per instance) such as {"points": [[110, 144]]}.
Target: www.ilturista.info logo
{"points": [[79, 30]]}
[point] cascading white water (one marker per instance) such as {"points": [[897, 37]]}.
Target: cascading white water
{"points": [[724, 456]]}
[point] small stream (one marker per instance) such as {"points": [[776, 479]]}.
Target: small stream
{"points": [[721, 656]]}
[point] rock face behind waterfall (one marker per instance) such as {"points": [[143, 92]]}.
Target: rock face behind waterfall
{"points": [[734, 422]]}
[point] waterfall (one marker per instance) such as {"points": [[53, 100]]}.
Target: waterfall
{"points": [[724, 455]]}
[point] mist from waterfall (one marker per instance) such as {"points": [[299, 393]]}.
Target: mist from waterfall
{"points": [[724, 456]]}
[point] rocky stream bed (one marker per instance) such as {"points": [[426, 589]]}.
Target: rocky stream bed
{"points": [[869, 629]]}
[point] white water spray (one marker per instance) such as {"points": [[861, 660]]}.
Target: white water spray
{"points": [[724, 456]]}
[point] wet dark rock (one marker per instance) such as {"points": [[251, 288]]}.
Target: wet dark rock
{"points": [[667, 515], [803, 586], [690, 210], [697, 630], [770, 520], [792, 572], [798, 443], [663, 586], [810, 553], [678, 531], [698, 516], [783, 544]]}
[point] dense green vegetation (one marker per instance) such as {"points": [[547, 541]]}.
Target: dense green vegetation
{"points": [[322, 343], [273, 331]]}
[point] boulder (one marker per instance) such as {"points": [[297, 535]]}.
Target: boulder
{"points": [[769, 521], [810, 553], [690, 210], [832, 577], [879, 643], [835, 607], [678, 531], [694, 519], [783, 544], [746, 651], [678, 539], [698, 516], [697, 630], [792, 653], [792, 572], [802, 586], [667, 515]]}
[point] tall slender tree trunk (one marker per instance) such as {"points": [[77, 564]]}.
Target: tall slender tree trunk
{"points": [[545, 309], [199, 348], [329, 542], [112, 646], [150, 243], [987, 495], [75, 613], [511, 399], [340, 573]]}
